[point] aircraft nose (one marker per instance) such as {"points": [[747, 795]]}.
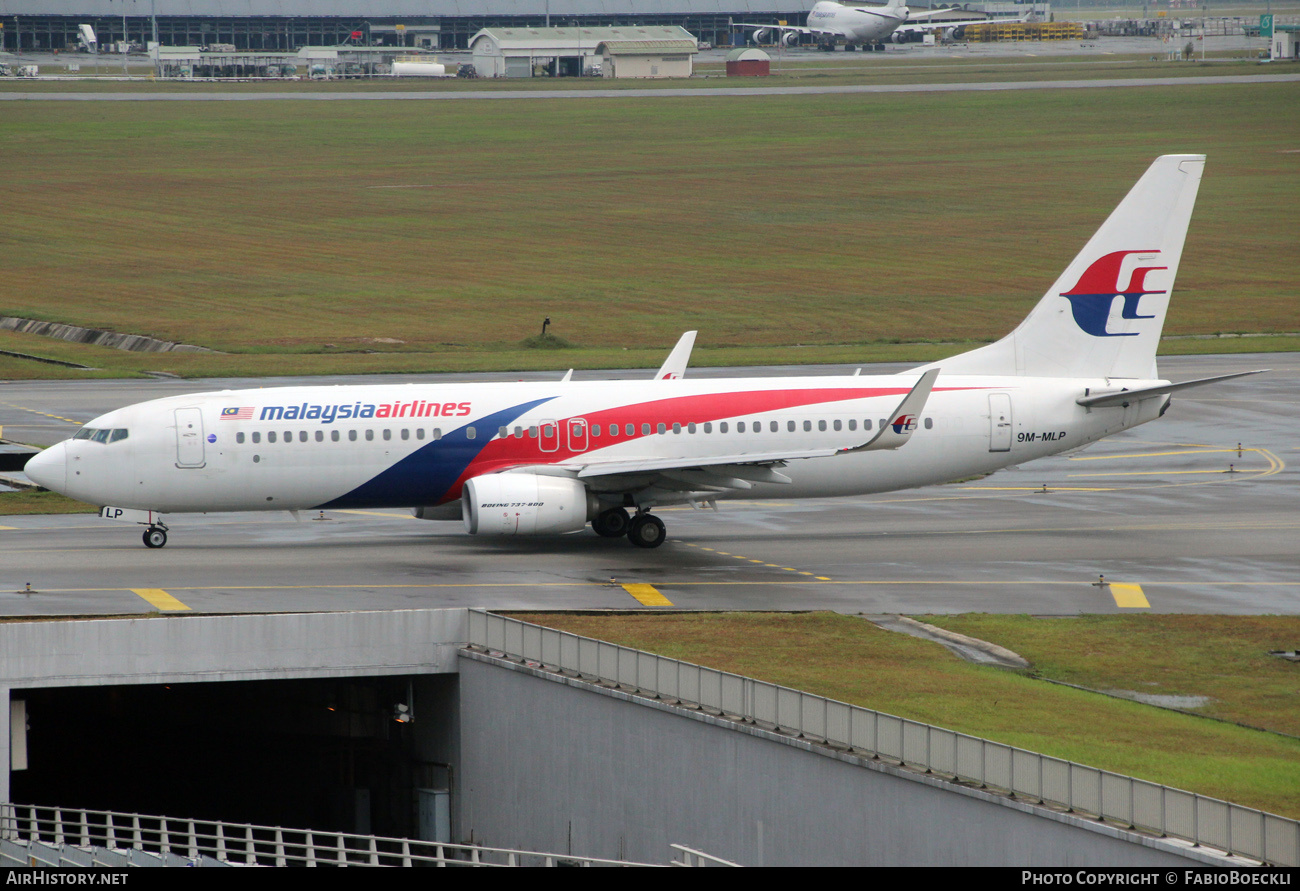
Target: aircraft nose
{"points": [[49, 468]]}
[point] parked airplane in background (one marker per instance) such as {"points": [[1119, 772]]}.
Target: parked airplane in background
{"points": [[857, 25], [534, 458]]}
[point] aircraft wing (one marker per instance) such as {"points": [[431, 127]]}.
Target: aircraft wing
{"points": [[915, 23], [786, 29], [741, 470]]}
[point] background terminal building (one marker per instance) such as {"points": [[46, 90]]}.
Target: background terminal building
{"points": [[287, 25]]}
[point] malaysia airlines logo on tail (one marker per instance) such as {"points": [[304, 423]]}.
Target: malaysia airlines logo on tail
{"points": [[1093, 296]]}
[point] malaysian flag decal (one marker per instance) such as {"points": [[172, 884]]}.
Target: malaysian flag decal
{"points": [[237, 414]]}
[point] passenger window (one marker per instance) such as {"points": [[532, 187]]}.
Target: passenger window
{"points": [[239, 438], [722, 428], [257, 437], [532, 432], [821, 425], [807, 426], [645, 429], [853, 423], [929, 423], [334, 436], [419, 433], [613, 430], [519, 433], [503, 432], [708, 426], [302, 435], [288, 436], [690, 428], [320, 435], [437, 433], [838, 425], [352, 436], [774, 426], [388, 434], [406, 434], [270, 437], [789, 425], [595, 430], [470, 433], [677, 428], [630, 430], [370, 435], [740, 426], [866, 425]]}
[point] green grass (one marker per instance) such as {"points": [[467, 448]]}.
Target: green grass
{"points": [[849, 659], [1224, 659], [31, 501], [377, 236]]}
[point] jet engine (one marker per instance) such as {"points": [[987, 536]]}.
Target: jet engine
{"points": [[759, 35], [790, 38], [524, 504]]}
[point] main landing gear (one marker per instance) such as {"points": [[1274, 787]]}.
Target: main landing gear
{"points": [[155, 536], [644, 530]]}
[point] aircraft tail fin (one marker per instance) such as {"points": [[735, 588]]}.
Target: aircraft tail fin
{"points": [[1104, 315]]}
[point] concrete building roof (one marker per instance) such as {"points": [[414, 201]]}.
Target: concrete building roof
{"points": [[633, 47], [574, 40]]}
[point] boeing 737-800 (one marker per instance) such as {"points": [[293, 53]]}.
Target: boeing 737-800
{"points": [[537, 458]]}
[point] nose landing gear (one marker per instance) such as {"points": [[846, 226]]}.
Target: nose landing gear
{"points": [[155, 536]]}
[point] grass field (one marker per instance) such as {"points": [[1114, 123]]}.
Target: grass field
{"points": [[397, 236], [849, 659]]}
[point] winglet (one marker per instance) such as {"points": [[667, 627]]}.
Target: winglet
{"points": [[898, 431], [674, 366]]}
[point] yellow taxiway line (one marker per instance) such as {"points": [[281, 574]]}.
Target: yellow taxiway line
{"points": [[160, 599], [1128, 596], [647, 595]]}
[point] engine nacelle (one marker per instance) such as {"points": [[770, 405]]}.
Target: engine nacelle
{"points": [[790, 38], [759, 35], [523, 504]]}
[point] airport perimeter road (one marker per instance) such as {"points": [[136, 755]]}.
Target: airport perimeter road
{"points": [[659, 92], [1174, 516]]}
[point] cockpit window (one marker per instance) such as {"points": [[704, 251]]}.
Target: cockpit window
{"points": [[105, 435]]}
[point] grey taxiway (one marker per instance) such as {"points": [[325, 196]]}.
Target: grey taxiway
{"points": [[1195, 512]]}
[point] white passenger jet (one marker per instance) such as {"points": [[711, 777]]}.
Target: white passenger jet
{"points": [[536, 458], [857, 25]]}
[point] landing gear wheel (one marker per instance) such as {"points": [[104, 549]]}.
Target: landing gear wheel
{"points": [[647, 531], [155, 537], [612, 523]]}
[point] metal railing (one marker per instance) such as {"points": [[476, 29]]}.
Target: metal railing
{"points": [[1138, 804], [46, 833]]}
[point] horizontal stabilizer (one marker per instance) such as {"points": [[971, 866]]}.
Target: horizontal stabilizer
{"points": [[904, 419], [1126, 397]]}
